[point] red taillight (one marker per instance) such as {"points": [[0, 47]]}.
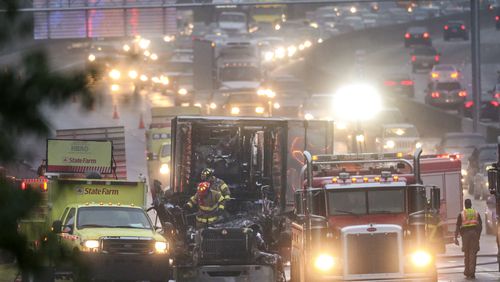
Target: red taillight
{"points": [[497, 95], [497, 18], [426, 35], [407, 82], [44, 186], [436, 58], [413, 58], [462, 93], [23, 185], [462, 27], [435, 95], [389, 83], [495, 103], [446, 27], [469, 104], [407, 35]]}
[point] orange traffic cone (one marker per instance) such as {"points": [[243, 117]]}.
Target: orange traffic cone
{"points": [[141, 122], [115, 112]]}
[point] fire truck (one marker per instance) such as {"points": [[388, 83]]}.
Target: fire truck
{"points": [[367, 217]]}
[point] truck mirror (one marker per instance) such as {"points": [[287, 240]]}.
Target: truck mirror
{"points": [[57, 226], [435, 198], [492, 181]]}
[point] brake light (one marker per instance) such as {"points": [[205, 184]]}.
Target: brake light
{"points": [[462, 93], [407, 35], [426, 35], [469, 104], [454, 75], [43, 186], [497, 18], [435, 95], [495, 103], [446, 27], [436, 58], [462, 27], [389, 83], [413, 58], [23, 185], [434, 74], [497, 95], [407, 82]]}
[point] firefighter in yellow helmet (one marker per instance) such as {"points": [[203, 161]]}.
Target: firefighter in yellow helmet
{"points": [[216, 184], [469, 226], [210, 203]]}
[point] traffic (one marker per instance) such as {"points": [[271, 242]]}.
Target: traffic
{"points": [[263, 141]]}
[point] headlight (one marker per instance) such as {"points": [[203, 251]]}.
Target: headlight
{"points": [[280, 53], [164, 169], [308, 116], [213, 106], [307, 43], [418, 145], [126, 48], [390, 144], [324, 262], [91, 245], [464, 172], [235, 111], [161, 247], [115, 74], [91, 58], [133, 74], [291, 50], [144, 77], [268, 56], [259, 110], [421, 258], [182, 92], [115, 87], [276, 105], [360, 138]]}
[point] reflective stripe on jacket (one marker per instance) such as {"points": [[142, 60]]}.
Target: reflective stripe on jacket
{"points": [[209, 203], [221, 186], [469, 218]]}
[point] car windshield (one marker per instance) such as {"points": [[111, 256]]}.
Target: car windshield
{"points": [[240, 74], [232, 18], [401, 132], [112, 217], [444, 68], [166, 150], [464, 141], [360, 202], [487, 154], [448, 86]]}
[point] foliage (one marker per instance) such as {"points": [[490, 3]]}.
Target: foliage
{"points": [[24, 88]]}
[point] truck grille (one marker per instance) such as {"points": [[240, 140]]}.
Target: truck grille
{"points": [[221, 245], [127, 246], [404, 145], [372, 253]]}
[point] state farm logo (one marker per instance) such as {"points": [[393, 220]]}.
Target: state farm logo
{"points": [[79, 190]]}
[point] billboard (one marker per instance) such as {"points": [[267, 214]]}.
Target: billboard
{"points": [[79, 156]]}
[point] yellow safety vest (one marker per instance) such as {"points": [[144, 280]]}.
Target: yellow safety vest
{"points": [[469, 218]]}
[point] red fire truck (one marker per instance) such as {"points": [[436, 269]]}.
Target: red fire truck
{"points": [[370, 217]]}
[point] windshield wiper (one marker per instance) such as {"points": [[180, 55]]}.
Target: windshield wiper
{"points": [[128, 226], [93, 225], [347, 212]]}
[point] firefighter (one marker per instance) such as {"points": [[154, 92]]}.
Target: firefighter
{"points": [[210, 204], [216, 184], [469, 227]]}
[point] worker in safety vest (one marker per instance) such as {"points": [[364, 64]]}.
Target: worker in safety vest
{"points": [[469, 227], [210, 204], [216, 184]]}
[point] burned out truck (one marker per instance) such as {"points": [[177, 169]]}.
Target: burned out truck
{"points": [[259, 159]]}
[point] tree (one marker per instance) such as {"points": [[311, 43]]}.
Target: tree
{"points": [[24, 88]]}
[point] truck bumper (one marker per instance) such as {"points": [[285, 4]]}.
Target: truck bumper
{"points": [[126, 267], [408, 278], [216, 273]]}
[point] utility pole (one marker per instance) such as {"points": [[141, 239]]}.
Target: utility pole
{"points": [[476, 63]]}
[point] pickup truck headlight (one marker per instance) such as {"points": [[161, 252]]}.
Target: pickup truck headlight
{"points": [[390, 144], [421, 258], [324, 262], [161, 247], [91, 245]]}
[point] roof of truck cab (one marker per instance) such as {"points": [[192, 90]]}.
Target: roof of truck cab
{"points": [[113, 205]]}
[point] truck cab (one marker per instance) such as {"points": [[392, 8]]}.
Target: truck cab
{"points": [[365, 217]]}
